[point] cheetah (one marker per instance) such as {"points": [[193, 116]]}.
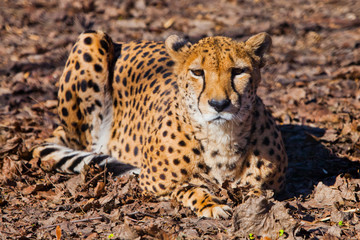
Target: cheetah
{"points": [[179, 115]]}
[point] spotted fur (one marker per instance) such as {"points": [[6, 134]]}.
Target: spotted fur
{"points": [[178, 114]]}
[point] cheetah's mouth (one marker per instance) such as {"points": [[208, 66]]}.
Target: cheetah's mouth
{"points": [[219, 120]]}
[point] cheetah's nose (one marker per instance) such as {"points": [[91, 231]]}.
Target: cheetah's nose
{"points": [[219, 105]]}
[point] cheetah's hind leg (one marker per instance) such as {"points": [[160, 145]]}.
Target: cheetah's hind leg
{"points": [[85, 109]]}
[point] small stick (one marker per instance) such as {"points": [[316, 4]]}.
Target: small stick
{"points": [[97, 175], [73, 221]]}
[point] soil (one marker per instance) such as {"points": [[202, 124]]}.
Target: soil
{"points": [[310, 83]]}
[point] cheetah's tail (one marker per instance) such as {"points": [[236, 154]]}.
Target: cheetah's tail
{"points": [[67, 160]]}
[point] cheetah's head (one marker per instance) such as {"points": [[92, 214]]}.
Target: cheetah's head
{"points": [[218, 76]]}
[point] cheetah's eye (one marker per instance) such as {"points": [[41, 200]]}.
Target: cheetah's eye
{"points": [[238, 71], [197, 72]]}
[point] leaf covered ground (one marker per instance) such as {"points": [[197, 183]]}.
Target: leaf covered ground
{"points": [[311, 84]]}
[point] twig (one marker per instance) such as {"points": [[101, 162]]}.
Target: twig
{"points": [[56, 187], [73, 221], [353, 210], [88, 182], [142, 213], [323, 219], [328, 218]]}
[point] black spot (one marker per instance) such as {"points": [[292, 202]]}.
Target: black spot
{"points": [[74, 49], [276, 135], [136, 151], [262, 129], [67, 77], [152, 83], [183, 171], [170, 149], [266, 141], [176, 161], [65, 112], [161, 186], [127, 148], [88, 40], [124, 82], [259, 164], [182, 143], [170, 63], [78, 114], [196, 151], [186, 159], [271, 152], [140, 64], [167, 74], [84, 127], [256, 152], [87, 57], [231, 166], [214, 153], [153, 168], [159, 69], [68, 95], [96, 87], [104, 45], [83, 85], [77, 65], [162, 176], [98, 68], [257, 178]]}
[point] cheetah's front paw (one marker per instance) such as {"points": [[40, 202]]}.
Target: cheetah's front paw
{"points": [[217, 211]]}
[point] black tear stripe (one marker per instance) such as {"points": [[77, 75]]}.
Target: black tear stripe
{"points": [[202, 90], [76, 162], [233, 87]]}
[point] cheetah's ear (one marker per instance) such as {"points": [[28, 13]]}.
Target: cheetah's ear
{"points": [[259, 44], [177, 47]]}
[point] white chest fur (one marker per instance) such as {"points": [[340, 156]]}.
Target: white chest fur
{"points": [[225, 148]]}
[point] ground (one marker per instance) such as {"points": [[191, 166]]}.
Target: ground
{"points": [[311, 84]]}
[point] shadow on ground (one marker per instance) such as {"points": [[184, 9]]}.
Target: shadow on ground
{"points": [[311, 162]]}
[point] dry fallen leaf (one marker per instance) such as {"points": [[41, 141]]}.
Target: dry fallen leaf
{"points": [[58, 232], [99, 189]]}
